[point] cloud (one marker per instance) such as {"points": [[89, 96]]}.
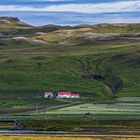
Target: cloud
{"points": [[37, 0], [68, 18], [54, 0], [72, 12], [111, 7]]}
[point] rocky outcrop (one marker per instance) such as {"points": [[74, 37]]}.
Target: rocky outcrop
{"points": [[2, 19]]}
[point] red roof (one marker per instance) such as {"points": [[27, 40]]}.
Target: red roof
{"points": [[64, 93], [48, 93], [76, 95]]}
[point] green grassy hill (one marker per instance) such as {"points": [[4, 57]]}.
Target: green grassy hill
{"points": [[10, 22], [98, 61], [112, 28], [13, 27]]}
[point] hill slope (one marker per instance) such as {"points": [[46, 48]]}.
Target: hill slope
{"points": [[98, 65], [10, 22]]}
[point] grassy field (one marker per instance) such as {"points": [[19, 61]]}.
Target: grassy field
{"points": [[118, 108], [24, 77], [112, 111], [33, 64], [67, 137]]}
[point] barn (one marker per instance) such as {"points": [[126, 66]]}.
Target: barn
{"points": [[64, 95], [75, 95], [67, 95]]}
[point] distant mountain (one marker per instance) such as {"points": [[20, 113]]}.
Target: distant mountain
{"points": [[84, 34], [10, 26], [9, 19], [13, 26], [112, 28], [11, 22]]}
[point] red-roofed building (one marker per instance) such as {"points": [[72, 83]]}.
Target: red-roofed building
{"points": [[64, 94], [67, 95], [48, 95], [75, 95]]}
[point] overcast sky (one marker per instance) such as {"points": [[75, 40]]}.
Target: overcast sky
{"points": [[72, 12]]}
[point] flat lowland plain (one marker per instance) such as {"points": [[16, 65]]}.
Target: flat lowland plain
{"points": [[68, 137], [118, 108], [116, 111]]}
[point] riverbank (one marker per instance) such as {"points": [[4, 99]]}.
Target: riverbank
{"points": [[73, 126], [78, 125], [67, 137]]}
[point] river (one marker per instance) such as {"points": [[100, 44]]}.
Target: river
{"points": [[116, 132]]}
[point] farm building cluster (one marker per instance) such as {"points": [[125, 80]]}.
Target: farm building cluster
{"points": [[50, 95]]}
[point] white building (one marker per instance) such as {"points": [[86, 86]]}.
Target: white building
{"points": [[75, 95], [48, 95], [67, 95], [64, 95]]}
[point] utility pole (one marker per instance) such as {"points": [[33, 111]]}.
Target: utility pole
{"points": [[46, 110], [36, 108]]}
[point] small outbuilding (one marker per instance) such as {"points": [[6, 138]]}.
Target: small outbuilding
{"points": [[75, 95], [48, 95]]}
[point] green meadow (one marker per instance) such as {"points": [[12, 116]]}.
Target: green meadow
{"points": [[65, 59]]}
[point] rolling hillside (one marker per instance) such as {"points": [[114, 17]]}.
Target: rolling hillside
{"points": [[10, 22], [97, 61]]}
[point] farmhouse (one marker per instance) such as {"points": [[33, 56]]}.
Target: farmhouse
{"points": [[48, 95], [64, 95], [67, 95]]}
